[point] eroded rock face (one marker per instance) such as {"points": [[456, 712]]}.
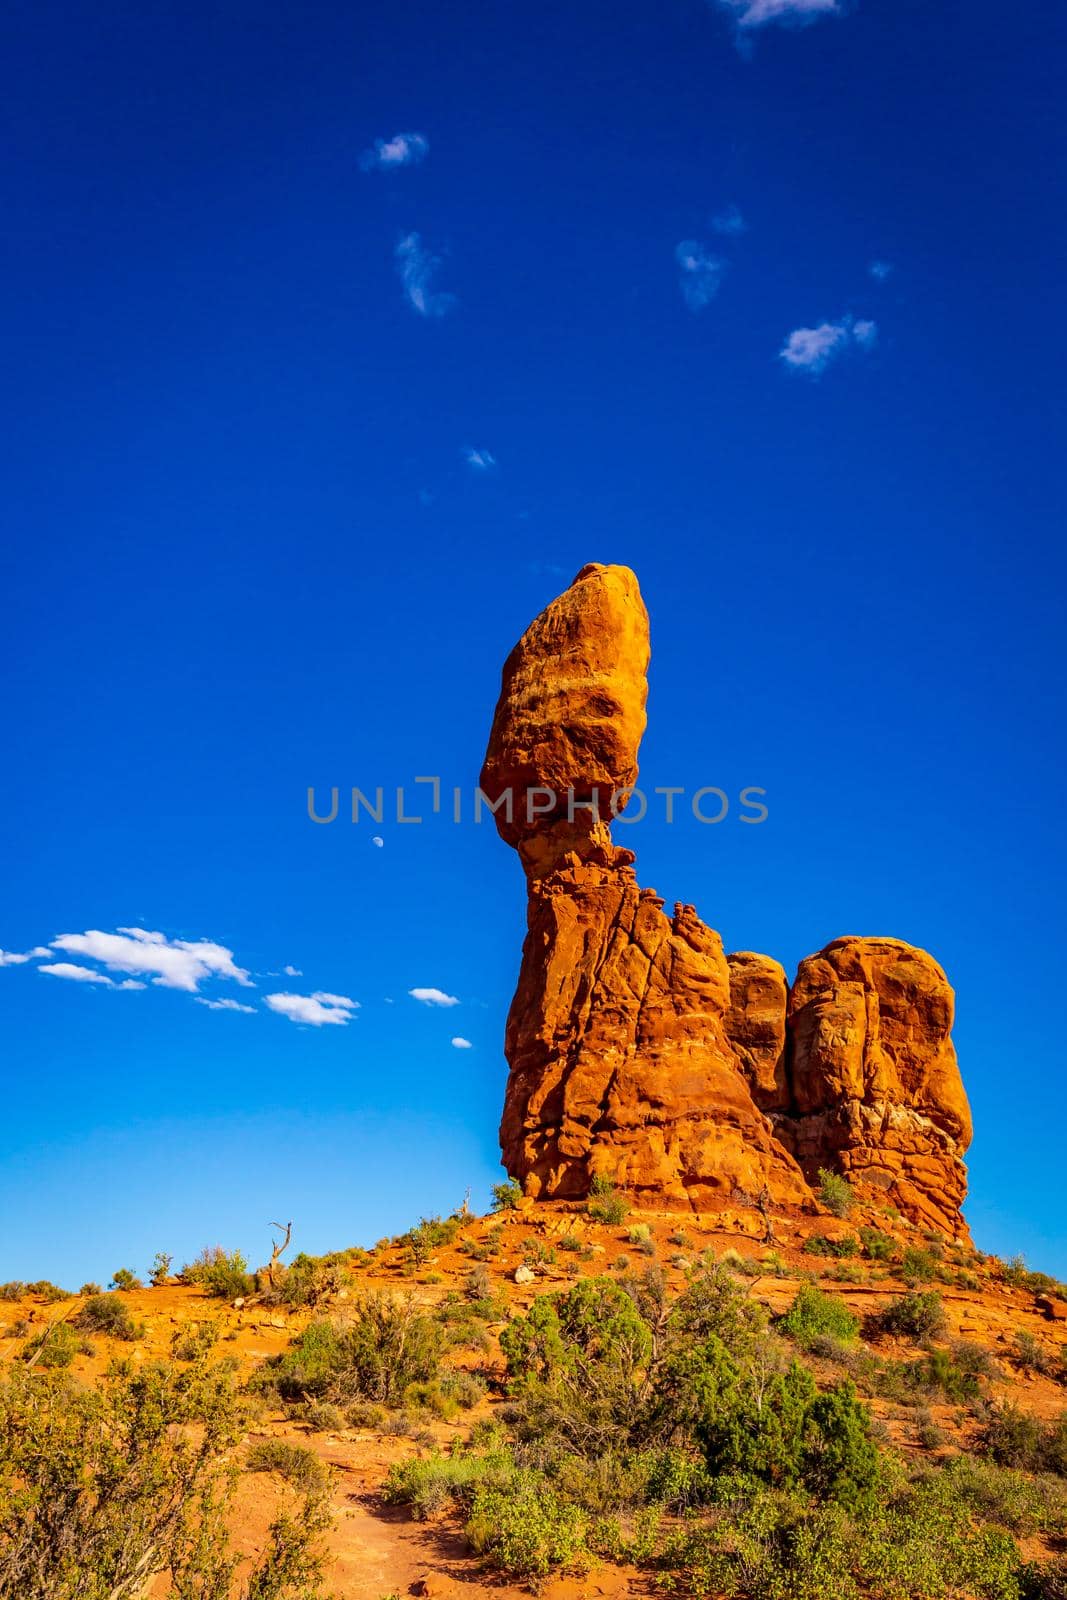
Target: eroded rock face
{"points": [[876, 1087], [637, 1050], [755, 1026]]}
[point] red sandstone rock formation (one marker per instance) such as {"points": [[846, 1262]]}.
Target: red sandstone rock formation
{"points": [[638, 1051], [876, 1088]]}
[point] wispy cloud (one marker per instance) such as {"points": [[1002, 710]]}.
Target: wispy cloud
{"points": [[812, 349], [758, 13], [170, 963], [418, 267], [318, 1010], [78, 974], [433, 997], [402, 150], [18, 959], [292, 972], [699, 273], [479, 460], [879, 270], [729, 222], [67, 969], [225, 1005], [461, 1044]]}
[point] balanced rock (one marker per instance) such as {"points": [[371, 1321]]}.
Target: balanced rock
{"points": [[638, 1051], [620, 1062]]}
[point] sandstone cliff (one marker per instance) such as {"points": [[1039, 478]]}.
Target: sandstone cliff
{"points": [[637, 1049]]}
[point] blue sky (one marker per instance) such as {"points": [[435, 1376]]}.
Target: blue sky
{"points": [[336, 339]]}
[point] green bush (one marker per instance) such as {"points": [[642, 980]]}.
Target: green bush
{"points": [[835, 1192], [294, 1462], [54, 1347], [605, 1205], [917, 1316], [506, 1195], [90, 1289], [159, 1271], [526, 1529], [819, 1245], [104, 1489], [125, 1279], [814, 1313], [382, 1347], [917, 1265], [879, 1246], [106, 1314]]}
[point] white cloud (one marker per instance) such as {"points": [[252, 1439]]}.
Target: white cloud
{"points": [[318, 1009], [461, 1044], [880, 270], [758, 13], [67, 969], [378, 842], [480, 460], [223, 1005], [433, 997], [729, 222], [812, 349], [11, 958], [171, 963], [292, 972], [700, 273], [402, 150], [417, 267]]}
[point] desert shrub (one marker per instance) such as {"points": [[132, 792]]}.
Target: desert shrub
{"points": [[813, 1313], [569, 1242], [506, 1195], [193, 1341], [916, 1316], [535, 1253], [125, 1279], [1046, 1580], [90, 1288], [770, 1544], [917, 1265], [429, 1234], [101, 1490], [380, 1348], [14, 1290], [308, 1280], [1031, 1356], [680, 1238], [48, 1291], [1013, 1437], [433, 1482], [106, 1314], [835, 1192], [322, 1416], [526, 1529], [294, 1462], [879, 1246], [54, 1347], [819, 1245], [159, 1271], [227, 1277], [605, 1205]]}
